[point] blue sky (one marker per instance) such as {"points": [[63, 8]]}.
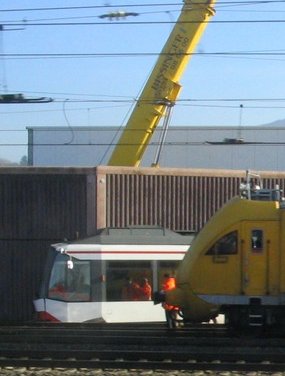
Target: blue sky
{"points": [[214, 86]]}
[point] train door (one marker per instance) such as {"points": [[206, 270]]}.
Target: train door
{"points": [[259, 258]]}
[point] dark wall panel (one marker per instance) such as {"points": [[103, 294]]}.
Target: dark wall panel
{"points": [[37, 208], [22, 264], [42, 206]]}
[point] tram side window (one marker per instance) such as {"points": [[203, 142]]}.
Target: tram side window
{"points": [[128, 281], [70, 285], [166, 268], [227, 245], [257, 241]]}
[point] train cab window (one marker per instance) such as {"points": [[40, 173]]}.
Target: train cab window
{"points": [[128, 281], [257, 241], [70, 285], [227, 245]]}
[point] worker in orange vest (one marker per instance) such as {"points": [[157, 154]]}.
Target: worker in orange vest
{"points": [[168, 282], [171, 312], [145, 289], [131, 290]]}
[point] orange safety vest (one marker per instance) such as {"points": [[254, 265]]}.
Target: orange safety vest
{"points": [[146, 292], [169, 284]]}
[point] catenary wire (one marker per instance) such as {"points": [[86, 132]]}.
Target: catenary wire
{"points": [[171, 11], [157, 23], [134, 5], [141, 54], [177, 143]]}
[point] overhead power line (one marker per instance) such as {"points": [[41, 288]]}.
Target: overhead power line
{"points": [[96, 108], [113, 23], [138, 54], [112, 15], [175, 143], [91, 7], [106, 6], [183, 101]]}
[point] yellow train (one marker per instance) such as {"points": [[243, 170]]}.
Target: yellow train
{"points": [[236, 264]]}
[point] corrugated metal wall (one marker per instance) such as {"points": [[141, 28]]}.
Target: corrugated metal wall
{"points": [[160, 197], [40, 206]]}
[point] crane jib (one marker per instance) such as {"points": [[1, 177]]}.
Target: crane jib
{"points": [[162, 87]]}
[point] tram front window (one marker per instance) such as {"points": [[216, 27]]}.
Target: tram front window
{"points": [[70, 285], [129, 281]]}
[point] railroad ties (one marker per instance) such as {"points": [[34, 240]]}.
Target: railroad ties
{"points": [[137, 346]]}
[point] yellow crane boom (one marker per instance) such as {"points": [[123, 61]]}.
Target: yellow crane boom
{"points": [[162, 88]]}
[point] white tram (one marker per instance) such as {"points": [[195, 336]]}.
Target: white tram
{"points": [[84, 280]]}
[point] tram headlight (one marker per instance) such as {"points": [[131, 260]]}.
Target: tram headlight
{"points": [[70, 264]]}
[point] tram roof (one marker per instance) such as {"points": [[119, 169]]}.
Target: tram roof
{"points": [[138, 235]]}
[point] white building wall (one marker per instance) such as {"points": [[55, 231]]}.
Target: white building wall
{"points": [[185, 147]]}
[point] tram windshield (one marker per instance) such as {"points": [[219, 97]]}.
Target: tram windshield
{"points": [[67, 284]]}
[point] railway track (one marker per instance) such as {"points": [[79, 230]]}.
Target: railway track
{"points": [[148, 346]]}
